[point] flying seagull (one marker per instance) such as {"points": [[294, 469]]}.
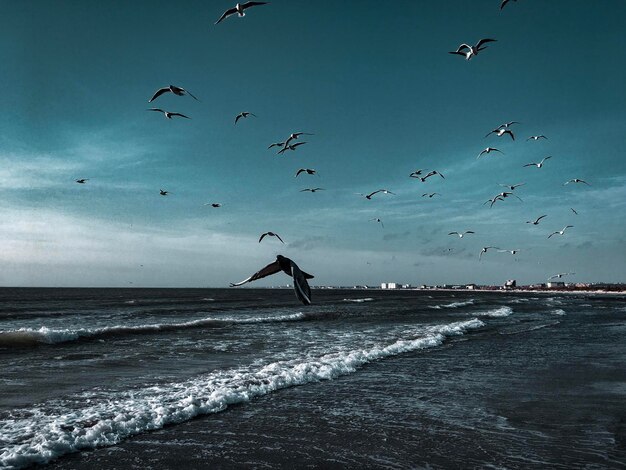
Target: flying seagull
{"points": [[295, 135], [574, 211], [504, 2], [312, 190], [493, 201], [213, 204], [506, 194], [308, 171], [171, 89], [429, 174], [369, 196], [536, 222], [484, 250], [169, 114], [513, 252], [460, 234], [277, 144], [244, 115], [379, 221], [431, 194], [290, 147], [240, 9], [511, 187], [488, 150], [560, 275], [500, 131], [560, 232], [508, 124], [300, 285], [576, 180], [416, 173], [538, 165], [163, 193], [82, 180], [472, 51], [271, 234], [536, 137]]}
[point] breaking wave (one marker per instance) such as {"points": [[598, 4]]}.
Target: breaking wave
{"points": [[453, 304]]}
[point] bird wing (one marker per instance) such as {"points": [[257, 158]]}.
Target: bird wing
{"points": [[541, 217], [156, 109], [545, 159], [554, 233], [453, 233], [268, 270], [469, 231], [189, 93], [531, 164], [298, 144], [179, 114], [300, 284], [251, 4], [301, 170], [278, 236], [510, 133], [574, 211], [492, 132], [158, 93], [456, 52], [277, 144], [483, 41], [237, 119], [262, 237], [226, 14], [461, 47], [371, 194]]}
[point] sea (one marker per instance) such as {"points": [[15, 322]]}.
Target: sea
{"points": [[367, 379]]}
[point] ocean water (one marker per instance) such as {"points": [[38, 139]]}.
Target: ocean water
{"points": [[232, 378]]}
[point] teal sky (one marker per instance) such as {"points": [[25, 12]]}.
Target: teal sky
{"points": [[372, 80]]}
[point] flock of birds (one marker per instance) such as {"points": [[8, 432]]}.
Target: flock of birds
{"points": [[293, 142]]}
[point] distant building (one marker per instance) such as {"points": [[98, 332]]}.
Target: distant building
{"points": [[552, 285], [470, 286]]}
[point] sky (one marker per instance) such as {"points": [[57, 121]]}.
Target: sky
{"points": [[377, 88]]}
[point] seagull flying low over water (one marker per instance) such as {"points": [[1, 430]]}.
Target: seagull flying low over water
{"points": [[576, 180], [240, 9], [500, 131], [82, 180], [511, 187], [472, 51], [270, 234], [538, 165], [560, 275], [369, 196], [536, 222], [460, 234], [308, 171], [379, 221], [431, 194], [312, 189], [244, 115], [560, 232], [171, 89], [300, 284], [489, 150], [536, 137], [484, 250], [168, 114], [290, 147]]}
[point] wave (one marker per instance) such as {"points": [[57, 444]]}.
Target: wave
{"points": [[558, 311], [25, 337], [526, 328], [453, 304], [37, 436], [495, 313], [367, 299]]}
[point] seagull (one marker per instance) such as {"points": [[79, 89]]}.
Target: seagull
{"points": [[560, 275], [308, 171], [493, 201], [504, 2], [240, 9], [213, 204], [576, 180], [300, 285], [574, 211], [290, 147], [244, 114], [171, 89], [536, 137], [169, 114], [500, 131], [484, 250], [431, 194], [82, 180], [271, 234], [432, 173], [163, 193], [277, 144], [511, 187], [295, 136], [506, 194], [379, 221], [560, 232], [489, 150], [369, 196], [536, 222], [508, 124], [538, 165], [460, 234], [513, 252], [471, 51], [312, 189], [416, 173]]}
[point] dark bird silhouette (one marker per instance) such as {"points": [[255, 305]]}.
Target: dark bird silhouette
{"points": [[312, 189], [576, 180], [82, 180], [369, 196], [472, 51], [213, 204], [171, 89], [538, 165], [244, 115], [431, 195], [536, 137], [163, 193], [290, 147], [270, 234], [536, 222], [300, 284], [168, 114], [489, 150], [308, 171], [295, 135], [500, 131], [239, 9]]}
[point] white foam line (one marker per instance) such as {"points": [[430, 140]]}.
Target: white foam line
{"points": [[495, 313], [453, 304], [48, 434]]}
